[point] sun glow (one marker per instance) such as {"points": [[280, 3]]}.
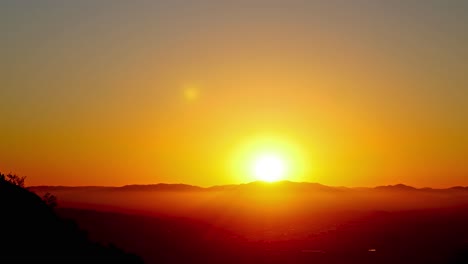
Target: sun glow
{"points": [[269, 168], [269, 159]]}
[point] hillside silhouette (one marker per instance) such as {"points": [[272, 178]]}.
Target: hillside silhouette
{"points": [[245, 187], [31, 232]]}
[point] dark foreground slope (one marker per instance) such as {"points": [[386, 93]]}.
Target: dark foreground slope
{"points": [[30, 232]]}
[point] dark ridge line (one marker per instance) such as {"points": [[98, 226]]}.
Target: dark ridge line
{"points": [[256, 184]]}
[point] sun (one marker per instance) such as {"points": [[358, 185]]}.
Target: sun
{"points": [[269, 167], [268, 158]]}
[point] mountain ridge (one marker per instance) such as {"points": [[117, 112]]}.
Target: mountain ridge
{"points": [[294, 186]]}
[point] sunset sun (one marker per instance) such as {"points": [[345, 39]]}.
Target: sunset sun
{"points": [[268, 158], [269, 168]]}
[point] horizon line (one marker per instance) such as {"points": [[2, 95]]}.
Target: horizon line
{"points": [[252, 182]]}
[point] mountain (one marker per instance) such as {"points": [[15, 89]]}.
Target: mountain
{"points": [[252, 186], [398, 187], [133, 187], [459, 188], [161, 187], [31, 232], [277, 186], [164, 187]]}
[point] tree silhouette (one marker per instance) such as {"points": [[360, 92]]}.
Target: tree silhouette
{"points": [[13, 179], [50, 200]]}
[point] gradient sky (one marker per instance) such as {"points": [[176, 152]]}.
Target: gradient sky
{"points": [[119, 92]]}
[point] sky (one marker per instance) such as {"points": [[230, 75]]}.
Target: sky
{"points": [[351, 93]]}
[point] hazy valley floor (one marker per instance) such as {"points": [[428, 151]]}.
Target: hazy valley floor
{"points": [[266, 227]]}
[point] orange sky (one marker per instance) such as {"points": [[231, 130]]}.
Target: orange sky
{"points": [[115, 93]]}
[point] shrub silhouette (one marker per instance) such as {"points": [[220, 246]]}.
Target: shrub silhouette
{"points": [[31, 232], [50, 200], [13, 179]]}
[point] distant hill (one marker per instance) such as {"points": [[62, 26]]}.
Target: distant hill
{"points": [[31, 232], [252, 186], [283, 185], [132, 187], [398, 187]]}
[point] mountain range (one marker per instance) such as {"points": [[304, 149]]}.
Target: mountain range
{"points": [[252, 186]]}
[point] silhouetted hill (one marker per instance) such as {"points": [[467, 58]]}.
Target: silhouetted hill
{"points": [[31, 232], [397, 187], [277, 186], [161, 187], [459, 188], [252, 186], [46, 188]]}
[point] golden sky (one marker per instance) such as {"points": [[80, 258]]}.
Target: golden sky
{"points": [[120, 92]]}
